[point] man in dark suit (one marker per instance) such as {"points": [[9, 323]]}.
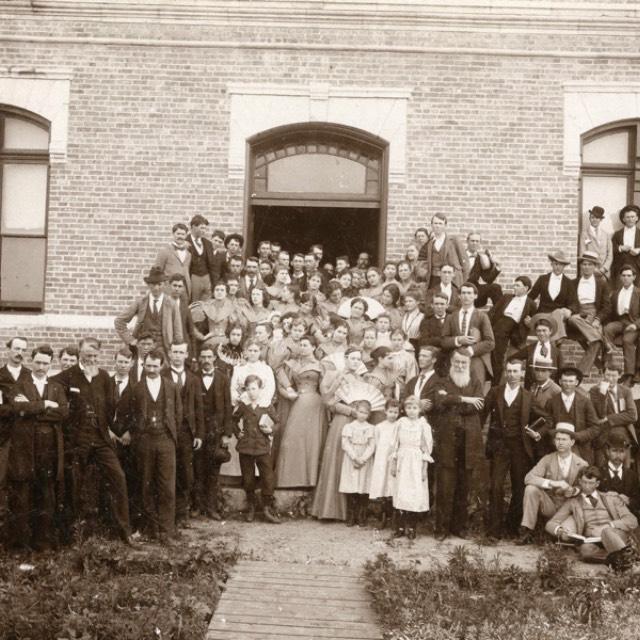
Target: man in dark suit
{"points": [[441, 249], [445, 287], [625, 242], [469, 329], [510, 446], [510, 318], [251, 279], [622, 317], [585, 326], [432, 324], [122, 426], [541, 350], [457, 401], [190, 431], [217, 412], [556, 293], [576, 409], [616, 410], [190, 333], [11, 374], [90, 436], [203, 264], [618, 477], [482, 270], [36, 462], [155, 313], [158, 412], [145, 344]]}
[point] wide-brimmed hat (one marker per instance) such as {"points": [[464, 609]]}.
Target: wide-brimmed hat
{"points": [[597, 212], [558, 256], [542, 363], [574, 371], [564, 427], [629, 207], [590, 256], [547, 320], [156, 276]]}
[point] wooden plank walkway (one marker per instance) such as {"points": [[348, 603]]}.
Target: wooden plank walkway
{"points": [[272, 600]]}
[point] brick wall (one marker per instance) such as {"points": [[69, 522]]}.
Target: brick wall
{"points": [[149, 125]]}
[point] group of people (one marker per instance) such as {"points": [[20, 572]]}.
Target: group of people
{"points": [[367, 385]]}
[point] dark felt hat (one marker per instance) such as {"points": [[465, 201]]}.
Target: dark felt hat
{"points": [[156, 275], [630, 207], [617, 441], [597, 212]]}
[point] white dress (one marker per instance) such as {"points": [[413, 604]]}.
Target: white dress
{"points": [[413, 443], [358, 441], [381, 479]]}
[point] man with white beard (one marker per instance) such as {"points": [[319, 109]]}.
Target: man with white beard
{"points": [[457, 400]]}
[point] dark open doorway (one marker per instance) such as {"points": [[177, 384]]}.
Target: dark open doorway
{"points": [[341, 231]]}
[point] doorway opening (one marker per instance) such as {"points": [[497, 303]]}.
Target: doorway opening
{"points": [[318, 183]]}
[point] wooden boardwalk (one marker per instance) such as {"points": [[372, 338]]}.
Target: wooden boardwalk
{"points": [[271, 600]]}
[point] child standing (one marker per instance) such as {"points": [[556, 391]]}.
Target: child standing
{"points": [[358, 444], [253, 428], [411, 453], [381, 487]]}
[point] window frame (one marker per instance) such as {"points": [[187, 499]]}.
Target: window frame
{"points": [[25, 156]]}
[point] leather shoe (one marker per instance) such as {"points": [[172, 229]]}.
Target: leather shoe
{"points": [[526, 537], [271, 516], [440, 536], [462, 533]]}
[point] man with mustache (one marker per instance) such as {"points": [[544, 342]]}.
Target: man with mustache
{"points": [[457, 401]]}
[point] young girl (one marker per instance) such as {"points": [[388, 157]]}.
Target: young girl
{"points": [[411, 454], [358, 444], [381, 487], [404, 359]]}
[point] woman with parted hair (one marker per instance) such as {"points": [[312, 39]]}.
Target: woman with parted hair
{"points": [[389, 299]]}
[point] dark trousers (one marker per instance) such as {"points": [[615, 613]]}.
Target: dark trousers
{"points": [[487, 292], [4, 493], [91, 447], [184, 473], [503, 329], [206, 473], [32, 502], [128, 462], [156, 454], [265, 468], [510, 457], [452, 489]]}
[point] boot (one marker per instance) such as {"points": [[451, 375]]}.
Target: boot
{"points": [[399, 524], [411, 526], [352, 502], [385, 513], [250, 514], [363, 509], [270, 514]]}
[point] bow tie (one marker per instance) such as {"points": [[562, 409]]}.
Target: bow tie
{"points": [[207, 375]]}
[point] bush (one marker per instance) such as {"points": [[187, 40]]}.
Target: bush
{"points": [[104, 591], [470, 599]]}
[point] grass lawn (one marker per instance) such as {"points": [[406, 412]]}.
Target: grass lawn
{"points": [[102, 590], [471, 599]]}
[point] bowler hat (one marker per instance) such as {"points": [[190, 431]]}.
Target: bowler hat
{"points": [[597, 212], [156, 276], [590, 256], [630, 207], [546, 320], [617, 441], [572, 371], [558, 256], [564, 427]]}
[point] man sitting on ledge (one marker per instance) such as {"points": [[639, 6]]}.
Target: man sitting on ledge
{"points": [[602, 518]]}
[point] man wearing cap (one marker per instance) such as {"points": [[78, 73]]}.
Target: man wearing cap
{"points": [[542, 349], [155, 314], [593, 296], [596, 240], [556, 293], [509, 320], [618, 477], [594, 513], [625, 242], [204, 269], [622, 317], [550, 482], [615, 408], [576, 409], [510, 445]]}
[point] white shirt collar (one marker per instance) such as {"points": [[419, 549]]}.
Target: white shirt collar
{"points": [[153, 384], [14, 371], [160, 299]]}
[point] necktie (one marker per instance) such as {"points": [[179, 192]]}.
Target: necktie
{"points": [[179, 375], [156, 306], [593, 500], [614, 400], [543, 350], [463, 327]]}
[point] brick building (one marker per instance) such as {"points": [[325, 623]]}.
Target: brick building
{"points": [[349, 122]]}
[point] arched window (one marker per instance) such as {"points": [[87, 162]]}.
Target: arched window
{"points": [[609, 173], [24, 182]]}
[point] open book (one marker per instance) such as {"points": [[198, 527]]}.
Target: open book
{"points": [[576, 537]]}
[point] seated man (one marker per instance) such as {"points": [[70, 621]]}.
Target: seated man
{"points": [[482, 270], [541, 349], [551, 481], [618, 477], [598, 515]]}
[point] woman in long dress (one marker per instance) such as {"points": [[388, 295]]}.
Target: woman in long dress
{"points": [[253, 311], [357, 320], [303, 436], [412, 317], [328, 502], [213, 317]]}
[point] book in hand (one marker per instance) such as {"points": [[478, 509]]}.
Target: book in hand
{"points": [[266, 424], [578, 539]]}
